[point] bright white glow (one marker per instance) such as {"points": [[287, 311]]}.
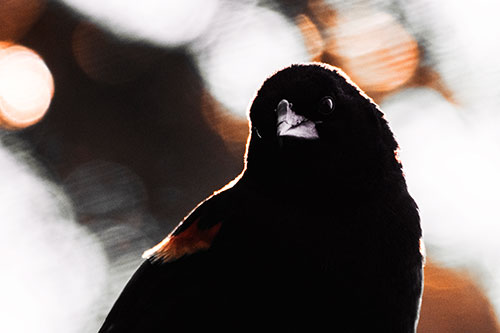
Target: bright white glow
{"points": [[475, 39], [163, 22], [53, 270], [250, 44], [452, 172], [473, 20], [461, 41], [26, 86]]}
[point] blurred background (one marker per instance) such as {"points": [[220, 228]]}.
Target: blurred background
{"points": [[118, 117]]}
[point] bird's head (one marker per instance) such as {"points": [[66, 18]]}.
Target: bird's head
{"points": [[310, 121]]}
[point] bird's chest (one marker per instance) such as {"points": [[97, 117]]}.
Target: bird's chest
{"points": [[301, 234]]}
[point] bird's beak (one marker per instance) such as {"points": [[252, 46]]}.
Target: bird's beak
{"points": [[294, 125]]}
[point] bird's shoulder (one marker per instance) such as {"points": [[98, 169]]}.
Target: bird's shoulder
{"points": [[198, 230]]}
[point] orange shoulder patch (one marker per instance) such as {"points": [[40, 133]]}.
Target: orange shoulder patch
{"points": [[189, 241]]}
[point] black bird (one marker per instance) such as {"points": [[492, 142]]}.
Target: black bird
{"points": [[317, 233]]}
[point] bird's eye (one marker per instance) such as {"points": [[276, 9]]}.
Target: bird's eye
{"points": [[326, 106]]}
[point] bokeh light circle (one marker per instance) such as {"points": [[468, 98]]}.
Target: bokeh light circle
{"points": [[26, 86], [250, 44], [169, 23], [374, 49]]}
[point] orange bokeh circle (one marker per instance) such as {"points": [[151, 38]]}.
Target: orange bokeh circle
{"points": [[26, 86]]}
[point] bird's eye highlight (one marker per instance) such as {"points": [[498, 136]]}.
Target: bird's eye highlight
{"points": [[326, 106]]}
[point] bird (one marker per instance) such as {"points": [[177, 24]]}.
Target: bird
{"points": [[318, 232]]}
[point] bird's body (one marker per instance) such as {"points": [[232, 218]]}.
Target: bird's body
{"points": [[318, 232]]}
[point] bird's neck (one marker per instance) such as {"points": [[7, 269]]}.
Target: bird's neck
{"points": [[327, 182]]}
